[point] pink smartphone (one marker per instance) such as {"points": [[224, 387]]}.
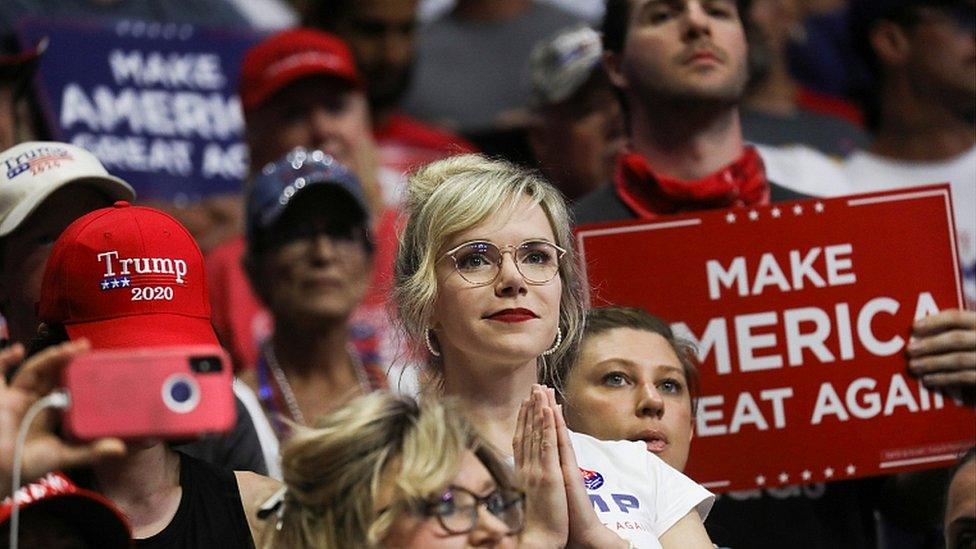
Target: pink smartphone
{"points": [[162, 392]]}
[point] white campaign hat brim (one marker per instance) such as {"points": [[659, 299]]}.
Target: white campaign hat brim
{"points": [[114, 187]]}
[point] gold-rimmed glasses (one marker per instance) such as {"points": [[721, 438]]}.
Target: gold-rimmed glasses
{"points": [[479, 262]]}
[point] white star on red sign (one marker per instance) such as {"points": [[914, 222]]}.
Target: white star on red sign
{"points": [[760, 480], [783, 477], [851, 469], [829, 472], [730, 218], [818, 207], [806, 475], [798, 210], [776, 212], [753, 215]]}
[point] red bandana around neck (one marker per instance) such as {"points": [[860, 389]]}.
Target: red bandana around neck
{"points": [[650, 194]]}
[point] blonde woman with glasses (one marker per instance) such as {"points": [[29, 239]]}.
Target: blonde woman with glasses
{"points": [[387, 472], [486, 281]]}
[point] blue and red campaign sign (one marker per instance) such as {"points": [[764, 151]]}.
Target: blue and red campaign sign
{"points": [[156, 102], [801, 311]]}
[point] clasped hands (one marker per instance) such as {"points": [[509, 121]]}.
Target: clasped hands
{"points": [[558, 512]]}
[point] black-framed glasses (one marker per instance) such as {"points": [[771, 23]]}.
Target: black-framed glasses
{"points": [[480, 261], [456, 509]]}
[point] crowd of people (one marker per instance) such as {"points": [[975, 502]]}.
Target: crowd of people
{"points": [[399, 290]]}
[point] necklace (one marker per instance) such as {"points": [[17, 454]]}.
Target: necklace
{"points": [[286, 391], [289, 394]]}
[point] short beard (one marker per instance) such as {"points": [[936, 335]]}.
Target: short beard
{"points": [[671, 101], [657, 97]]}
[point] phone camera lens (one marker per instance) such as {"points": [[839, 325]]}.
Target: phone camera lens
{"points": [[181, 391]]}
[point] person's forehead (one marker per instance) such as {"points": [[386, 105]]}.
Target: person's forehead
{"points": [[507, 225], [633, 345], [473, 475]]}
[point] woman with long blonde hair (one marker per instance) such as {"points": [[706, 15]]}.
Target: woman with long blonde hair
{"points": [[487, 284]]}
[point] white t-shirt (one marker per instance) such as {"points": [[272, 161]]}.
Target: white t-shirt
{"points": [[634, 492], [804, 170], [868, 172], [266, 435]]}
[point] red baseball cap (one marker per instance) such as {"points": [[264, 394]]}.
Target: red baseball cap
{"points": [[96, 519], [289, 55], [128, 276]]}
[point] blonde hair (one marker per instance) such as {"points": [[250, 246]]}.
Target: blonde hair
{"points": [[453, 195], [334, 471]]}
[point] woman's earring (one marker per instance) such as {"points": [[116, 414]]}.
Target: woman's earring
{"points": [[430, 346], [559, 340]]}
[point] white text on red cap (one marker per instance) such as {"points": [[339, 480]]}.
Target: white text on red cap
{"points": [[49, 485], [142, 265]]}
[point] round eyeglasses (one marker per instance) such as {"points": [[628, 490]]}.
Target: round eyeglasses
{"points": [[457, 509], [480, 261]]}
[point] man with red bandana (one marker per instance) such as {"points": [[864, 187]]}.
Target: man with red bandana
{"points": [[681, 68]]}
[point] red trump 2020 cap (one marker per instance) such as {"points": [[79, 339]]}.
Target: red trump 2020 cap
{"points": [[127, 276]]}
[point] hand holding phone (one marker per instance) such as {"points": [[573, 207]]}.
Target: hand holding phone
{"points": [[44, 451], [161, 392]]}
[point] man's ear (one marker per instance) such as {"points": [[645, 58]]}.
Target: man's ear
{"points": [[890, 43], [611, 63]]}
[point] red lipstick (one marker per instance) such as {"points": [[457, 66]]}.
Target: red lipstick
{"points": [[512, 315]]}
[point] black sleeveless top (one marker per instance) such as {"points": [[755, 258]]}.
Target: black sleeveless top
{"points": [[210, 513]]}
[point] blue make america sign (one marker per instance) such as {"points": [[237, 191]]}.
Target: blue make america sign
{"points": [[156, 102]]}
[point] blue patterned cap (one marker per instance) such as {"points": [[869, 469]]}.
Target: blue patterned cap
{"points": [[279, 183]]}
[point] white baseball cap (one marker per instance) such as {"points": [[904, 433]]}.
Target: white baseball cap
{"points": [[562, 63], [31, 171]]}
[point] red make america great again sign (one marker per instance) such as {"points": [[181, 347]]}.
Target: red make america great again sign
{"points": [[801, 311]]}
